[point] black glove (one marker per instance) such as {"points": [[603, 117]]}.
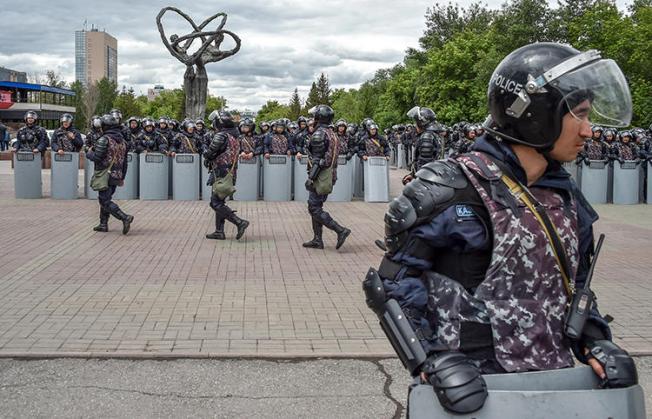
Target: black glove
{"points": [[617, 364], [310, 185], [458, 384]]}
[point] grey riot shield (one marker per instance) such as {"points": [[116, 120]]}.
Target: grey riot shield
{"points": [[130, 188], [185, 177], [563, 393], [401, 157], [358, 177], [376, 180], [594, 184], [300, 178], [649, 182], [27, 175], [277, 178], [626, 178], [154, 173], [64, 176], [343, 188], [246, 182], [575, 170]]}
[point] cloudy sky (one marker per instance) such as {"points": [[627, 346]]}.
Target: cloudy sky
{"points": [[285, 44]]}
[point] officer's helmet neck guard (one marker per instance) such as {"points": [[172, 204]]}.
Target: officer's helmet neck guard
{"points": [[536, 85]]}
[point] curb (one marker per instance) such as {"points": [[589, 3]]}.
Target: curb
{"points": [[219, 355]]}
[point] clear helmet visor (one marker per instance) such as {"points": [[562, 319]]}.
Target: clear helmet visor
{"points": [[603, 84], [414, 113]]}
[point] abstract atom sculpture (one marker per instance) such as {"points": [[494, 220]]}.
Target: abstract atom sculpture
{"points": [[195, 81]]}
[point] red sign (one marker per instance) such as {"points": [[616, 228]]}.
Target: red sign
{"points": [[5, 99]]}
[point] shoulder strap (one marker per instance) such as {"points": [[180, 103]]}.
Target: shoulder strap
{"points": [[524, 195]]}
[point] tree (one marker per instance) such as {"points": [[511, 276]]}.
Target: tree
{"points": [[313, 96], [126, 102], [53, 79], [273, 110], [295, 105], [323, 90], [107, 94]]}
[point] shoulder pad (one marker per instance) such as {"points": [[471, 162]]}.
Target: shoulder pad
{"points": [[428, 135], [102, 141], [443, 172], [318, 135]]}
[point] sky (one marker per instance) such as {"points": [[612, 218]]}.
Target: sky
{"points": [[285, 44]]}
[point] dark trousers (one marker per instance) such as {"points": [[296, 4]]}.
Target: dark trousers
{"points": [[316, 208], [105, 197]]}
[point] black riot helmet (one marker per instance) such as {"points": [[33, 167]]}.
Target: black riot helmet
{"points": [[66, 117], [422, 116], [322, 114], [301, 119], [536, 85], [133, 119], [199, 122], [163, 120], [96, 122], [247, 122], [221, 119], [148, 122], [187, 124], [109, 121], [340, 123], [263, 125], [30, 114], [117, 114]]}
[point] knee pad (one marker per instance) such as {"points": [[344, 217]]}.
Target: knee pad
{"points": [[458, 384]]}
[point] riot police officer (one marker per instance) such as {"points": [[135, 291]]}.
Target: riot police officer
{"points": [[626, 149], [323, 149], [149, 140], [428, 146], [164, 131], [31, 137], [484, 251], [343, 138], [278, 143], [375, 145], [186, 140], [133, 129], [249, 143], [94, 133], [66, 138], [221, 159], [110, 152]]}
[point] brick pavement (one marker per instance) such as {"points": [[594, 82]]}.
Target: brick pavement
{"points": [[164, 290]]}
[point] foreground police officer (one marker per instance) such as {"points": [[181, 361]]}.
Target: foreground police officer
{"points": [[66, 138], [484, 251], [323, 149], [221, 159], [31, 137], [110, 151]]}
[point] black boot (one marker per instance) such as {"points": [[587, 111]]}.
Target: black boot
{"points": [[125, 218], [218, 234], [316, 242], [103, 226], [239, 223], [342, 232]]}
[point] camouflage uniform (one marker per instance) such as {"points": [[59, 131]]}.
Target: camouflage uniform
{"points": [[277, 144], [472, 268], [375, 147], [594, 149], [61, 140]]}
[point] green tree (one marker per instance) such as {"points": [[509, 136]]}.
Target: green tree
{"points": [[273, 110], [323, 90], [313, 97], [108, 92], [81, 119], [127, 103], [295, 105]]}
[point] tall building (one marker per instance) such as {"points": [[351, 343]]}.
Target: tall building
{"points": [[152, 94], [7, 74], [96, 56]]}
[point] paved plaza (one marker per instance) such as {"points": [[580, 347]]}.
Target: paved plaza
{"points": [[164, 290]]}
